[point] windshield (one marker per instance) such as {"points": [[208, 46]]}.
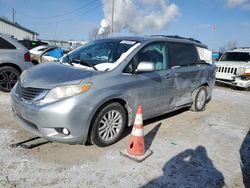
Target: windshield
{"points": [[98, 52], [235, 56]]}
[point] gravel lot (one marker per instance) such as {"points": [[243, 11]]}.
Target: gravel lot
{"points": [[204, 149]]}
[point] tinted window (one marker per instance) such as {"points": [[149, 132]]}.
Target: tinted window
{"points": [[235, 56], [5, 44], [182, 54]]}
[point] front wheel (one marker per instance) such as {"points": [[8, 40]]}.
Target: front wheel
{"points": [[108, 125], [199, 99]]}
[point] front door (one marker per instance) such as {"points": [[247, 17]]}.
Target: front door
{"points": [[153, 90]]}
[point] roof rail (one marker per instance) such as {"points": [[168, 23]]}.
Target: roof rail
{"points": [[244, 47], [240, 48], [178, 37]]}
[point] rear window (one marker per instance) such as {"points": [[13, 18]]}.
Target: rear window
{"points": [[182, 54], [5, 44], [235, 56]]}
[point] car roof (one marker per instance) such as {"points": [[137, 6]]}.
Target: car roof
{"points": [[151, 38], [242, 49]]}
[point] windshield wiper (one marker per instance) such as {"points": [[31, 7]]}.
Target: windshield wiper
{"points": [[68, 61], [83, 63]]}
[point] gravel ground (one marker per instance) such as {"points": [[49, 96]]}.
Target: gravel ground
{"points": [[205, 149]]}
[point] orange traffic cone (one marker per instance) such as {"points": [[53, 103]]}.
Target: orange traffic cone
{"points": [[136, 146]]}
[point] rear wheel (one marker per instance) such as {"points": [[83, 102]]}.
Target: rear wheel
{"points": [[8, 78], [108, 125], [199, 99]]}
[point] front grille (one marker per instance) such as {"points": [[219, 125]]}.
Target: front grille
{"points": [[28, 93], [229, 70]]}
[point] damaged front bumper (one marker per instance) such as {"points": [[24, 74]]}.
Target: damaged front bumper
{"points": [[239, 81]]}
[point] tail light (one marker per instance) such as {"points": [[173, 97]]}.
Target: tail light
{"points": [[27, 57]]}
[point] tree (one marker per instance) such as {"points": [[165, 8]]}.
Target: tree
{"points": [[93, 33]]}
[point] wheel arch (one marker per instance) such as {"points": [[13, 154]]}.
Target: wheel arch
{"points": [[11, 65], [119, 100]]}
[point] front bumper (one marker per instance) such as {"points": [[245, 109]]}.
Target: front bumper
{"points": [[238, 82], [46, 121]]}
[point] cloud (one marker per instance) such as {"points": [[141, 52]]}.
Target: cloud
{"points": [[245, 4], [138, 16]]}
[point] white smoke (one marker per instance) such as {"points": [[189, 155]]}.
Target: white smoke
{"points": [[234, 3], [138, 16], [245, 4], [105, 27]]}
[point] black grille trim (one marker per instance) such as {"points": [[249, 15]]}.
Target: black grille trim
{"points": [[229, 70], [28, 93]]}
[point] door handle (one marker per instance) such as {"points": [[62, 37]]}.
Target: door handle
{"points": [[171, 75]]}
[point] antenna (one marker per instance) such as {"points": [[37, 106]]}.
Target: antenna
{"points": [[13, 15], [112, 18]]}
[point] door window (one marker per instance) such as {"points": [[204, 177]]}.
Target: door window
{"points": [[182, 54], [155, 52], [5, 44]]}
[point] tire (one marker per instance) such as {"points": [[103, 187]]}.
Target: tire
{"points": [[199, 99], [8, 78], [104, 132]]}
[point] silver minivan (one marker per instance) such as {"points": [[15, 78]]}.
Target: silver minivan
{"points": [[93, 92], [14, 58]]}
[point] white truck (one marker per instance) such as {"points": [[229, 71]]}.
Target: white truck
{"points": [[233, 68]]}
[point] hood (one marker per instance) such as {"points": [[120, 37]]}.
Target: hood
{"points": [[233, 63], [50, 75]]}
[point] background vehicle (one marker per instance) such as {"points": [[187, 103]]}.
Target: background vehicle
{"points": [[233, 68], [38, 50], [29, 44], [14, 58], [37, 53], [93, 94]]}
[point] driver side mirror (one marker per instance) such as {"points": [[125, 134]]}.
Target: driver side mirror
{"points": [[145, 66]]}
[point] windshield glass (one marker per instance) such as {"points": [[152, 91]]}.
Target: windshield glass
{"points": [[98, 52], [235, 56]]}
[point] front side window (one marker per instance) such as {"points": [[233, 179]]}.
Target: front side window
{"points": [[155, 52], [5, 44], [182, 54], [235, 56]]}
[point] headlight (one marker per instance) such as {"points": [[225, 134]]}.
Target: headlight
{"points": [[65, 91], [244, 71], [241, 70]]}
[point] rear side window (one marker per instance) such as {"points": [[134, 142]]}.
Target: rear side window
{"points": [[5, 44], [182, 54]]}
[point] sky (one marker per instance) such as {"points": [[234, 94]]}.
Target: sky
{"points": [[216, 23]]}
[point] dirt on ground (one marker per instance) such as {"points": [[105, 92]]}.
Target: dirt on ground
{"points": [[190, 149]]}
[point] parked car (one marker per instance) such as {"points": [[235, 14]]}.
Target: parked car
{"points": [[233, 68], [39, 49], [94, 92], [14, 59], [38, 52], [29, 44]]}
